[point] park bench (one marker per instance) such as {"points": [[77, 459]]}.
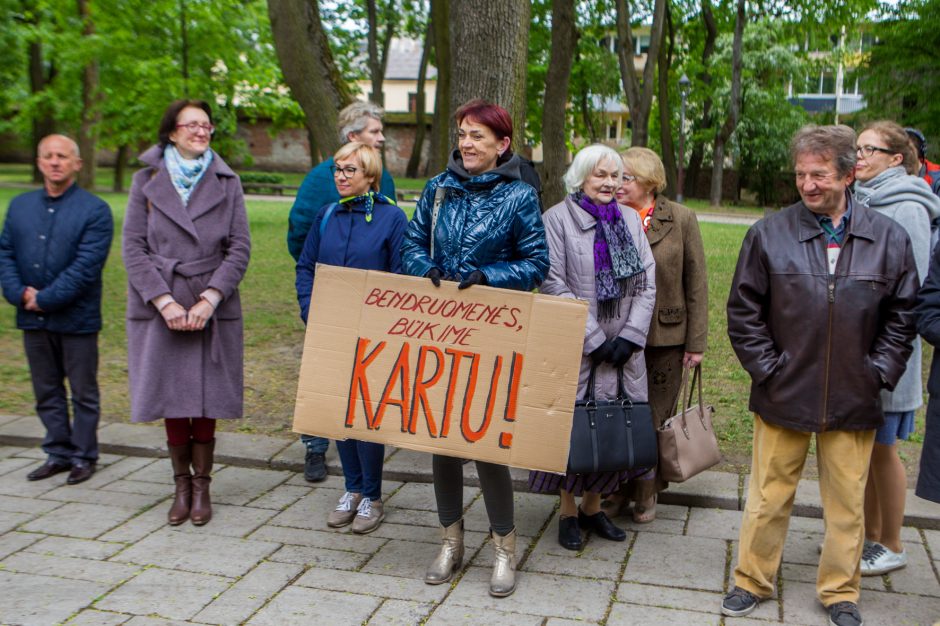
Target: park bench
{"points": [[274, 189]]}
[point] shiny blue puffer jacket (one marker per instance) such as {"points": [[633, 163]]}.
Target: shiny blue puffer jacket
{"points": [[490, 222]]}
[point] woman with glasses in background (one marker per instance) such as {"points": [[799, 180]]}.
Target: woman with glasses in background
{"points": [[363, 230], [884, 183], [186, 247]]}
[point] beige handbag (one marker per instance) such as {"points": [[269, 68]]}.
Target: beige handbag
{"points": [[687, 442]]}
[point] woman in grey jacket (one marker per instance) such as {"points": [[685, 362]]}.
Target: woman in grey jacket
{"points": [[885, 160], [599, 254]]}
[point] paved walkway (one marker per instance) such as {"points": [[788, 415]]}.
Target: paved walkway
{"points": [[101, 553]]}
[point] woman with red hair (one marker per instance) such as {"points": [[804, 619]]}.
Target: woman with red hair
{"points": [[477, 223]]}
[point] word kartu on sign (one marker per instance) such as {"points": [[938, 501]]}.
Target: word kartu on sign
{"points": [[482, 373]]}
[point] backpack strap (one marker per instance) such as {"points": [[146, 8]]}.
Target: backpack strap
{"points": [[326, 218], [436, 209]]}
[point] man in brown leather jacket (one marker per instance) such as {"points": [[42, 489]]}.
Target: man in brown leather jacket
{"points": [[821, 316]]}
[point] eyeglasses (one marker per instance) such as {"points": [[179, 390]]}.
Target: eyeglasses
{"points": [[867, 151], [816, 177], [346, 172], [195, 127], [629, 178]]}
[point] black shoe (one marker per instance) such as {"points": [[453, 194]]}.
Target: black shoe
{"points": [[314, 467], [601, 525], [569, 533], [47, 469], [739, 602], [81, 471], [845, 614]]}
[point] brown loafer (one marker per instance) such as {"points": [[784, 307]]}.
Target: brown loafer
{"points": [[47, 469], [81, 471]]}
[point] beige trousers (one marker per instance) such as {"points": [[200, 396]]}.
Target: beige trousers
{"points": [[778, 458]]}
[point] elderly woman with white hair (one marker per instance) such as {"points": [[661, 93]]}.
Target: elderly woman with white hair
{"points": [[599, 254]]}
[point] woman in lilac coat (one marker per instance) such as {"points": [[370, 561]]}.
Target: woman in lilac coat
{"points": [[186, 248], [600, 254]]}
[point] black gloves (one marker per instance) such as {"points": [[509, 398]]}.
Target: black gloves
{"points": [[476, 277], [622, 351], [435, 275], [602, 353]]}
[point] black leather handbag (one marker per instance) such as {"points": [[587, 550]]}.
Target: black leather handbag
{"points": [[611, 435]]}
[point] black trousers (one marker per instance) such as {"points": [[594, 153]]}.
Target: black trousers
{"points": [[53, 357]]}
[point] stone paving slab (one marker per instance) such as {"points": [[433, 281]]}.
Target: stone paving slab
{"points": [[233, 521], [241, 485], [302, 606], [309, 556], [166, 593], [85, 521], [132, 439], [11, 542], [34, 506], [449, 614], [75, 548], [30, 600], [68, 567], [209, 553], [400, 613], [10, 464], [624, 614], [375, 584], [241, 600], [682, 561], [93, 617], [573, 598]]}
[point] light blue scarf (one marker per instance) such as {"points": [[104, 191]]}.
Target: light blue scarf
{"points": [[185, 173]]}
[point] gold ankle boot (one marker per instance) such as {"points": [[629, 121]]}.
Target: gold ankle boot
{"points": [[503, 580], [450, 558]]}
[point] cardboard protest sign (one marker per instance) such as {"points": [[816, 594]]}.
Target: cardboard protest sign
{"points": [[482, 373]]}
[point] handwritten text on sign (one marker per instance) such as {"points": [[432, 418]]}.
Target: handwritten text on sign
{"points": [[445, 366]]}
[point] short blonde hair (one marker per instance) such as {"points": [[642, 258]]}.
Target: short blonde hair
{"points": [[369, 158], [646, 166], [584, 163]]}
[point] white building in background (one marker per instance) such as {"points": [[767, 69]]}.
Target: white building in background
{"points": [[835, 86], [401, 79]]}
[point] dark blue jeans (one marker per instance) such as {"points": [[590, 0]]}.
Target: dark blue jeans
{"points": [[315, 444], [362, 466], [54, 357]]}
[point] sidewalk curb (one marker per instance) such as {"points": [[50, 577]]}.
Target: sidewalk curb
{"points": [[711, 489]]}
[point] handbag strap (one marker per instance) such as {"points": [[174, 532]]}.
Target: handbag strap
{"points": [[590, 393], [684, 399]]}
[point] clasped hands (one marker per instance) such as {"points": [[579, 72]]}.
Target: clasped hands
{"points": [[29, 299], [476, 277], [616, 351], [196, 318]]}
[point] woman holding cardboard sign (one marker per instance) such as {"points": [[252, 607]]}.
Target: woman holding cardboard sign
{"points": [[599, 254], [480, 224], [363, 230]]}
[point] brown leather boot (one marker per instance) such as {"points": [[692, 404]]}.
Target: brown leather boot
{"points": [[180, 457], [201, 511]]}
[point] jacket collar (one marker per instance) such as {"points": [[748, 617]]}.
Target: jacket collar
{"points": [[153, 156], [661, 222], [859, 225], [585, 220]]}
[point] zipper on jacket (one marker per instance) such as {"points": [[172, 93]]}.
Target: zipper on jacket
{"points": [[831, 289]]}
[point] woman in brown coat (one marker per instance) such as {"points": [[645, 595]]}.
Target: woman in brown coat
{"points": [[186, 247], [679, 326]]}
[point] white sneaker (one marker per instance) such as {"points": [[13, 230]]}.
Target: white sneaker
{"points": [[878, 560], [369, 515], [345, 510]]}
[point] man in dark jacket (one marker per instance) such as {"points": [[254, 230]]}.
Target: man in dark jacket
{"points": [[54, 244], [821, 317], [360, 121]]}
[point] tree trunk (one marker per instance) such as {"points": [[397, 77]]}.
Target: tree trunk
{"points": [[639, 96], [411, 171], [120, 164], [91, 112], [491, 38], [308, 67], [705, 78], [378, 62], [665, 117], [554, 110], [314, 151], [723, 135], [184, 48], [43, 122], [441, 138]]}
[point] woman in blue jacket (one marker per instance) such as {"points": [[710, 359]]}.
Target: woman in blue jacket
{"points": [[486, 230], [363, 230]]}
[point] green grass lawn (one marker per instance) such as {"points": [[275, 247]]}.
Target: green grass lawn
{"points": [[274, 336]]}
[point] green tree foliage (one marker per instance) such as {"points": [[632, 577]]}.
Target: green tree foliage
{"points": [[226, 58], [901, 79]]}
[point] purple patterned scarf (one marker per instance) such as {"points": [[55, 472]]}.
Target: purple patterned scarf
{"points": [[618, 270]]}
